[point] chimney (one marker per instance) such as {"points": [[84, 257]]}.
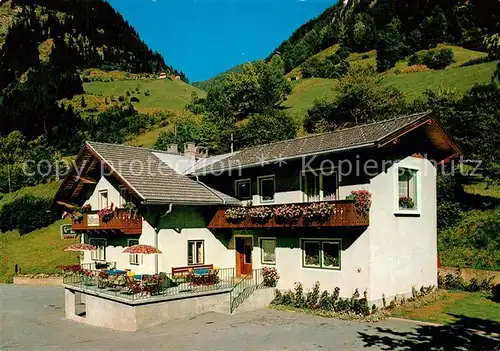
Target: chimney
{"points": [[190, 149], [202, 151], [173, 148]]}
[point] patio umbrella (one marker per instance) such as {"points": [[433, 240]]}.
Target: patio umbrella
{"points": [[142, 250], [80, 247]]}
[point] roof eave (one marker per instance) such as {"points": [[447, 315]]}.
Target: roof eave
{"points": [[281, 159]]}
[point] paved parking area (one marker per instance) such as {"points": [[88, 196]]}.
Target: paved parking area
{"points": [[33, 318]]}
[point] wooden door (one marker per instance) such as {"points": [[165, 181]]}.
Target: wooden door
{"points": [[243, 256]]}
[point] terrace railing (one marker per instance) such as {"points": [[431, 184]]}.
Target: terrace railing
{"points": [[245, 288], [142, 287]]}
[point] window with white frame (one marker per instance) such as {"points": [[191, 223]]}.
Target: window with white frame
{"points": [[133, 258], [268, 250], [407, 189], [266, 188], [100, 253], [243, 189], [321, 253], [196, 252], [319, 185], [103, 199]]}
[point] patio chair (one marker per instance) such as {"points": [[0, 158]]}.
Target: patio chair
{"points": [[133, 286]]}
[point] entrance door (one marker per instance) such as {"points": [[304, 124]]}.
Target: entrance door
{"points": [[243, 256]]}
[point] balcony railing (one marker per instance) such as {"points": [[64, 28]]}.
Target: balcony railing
{"points": [[120, 221], [345, 215]]}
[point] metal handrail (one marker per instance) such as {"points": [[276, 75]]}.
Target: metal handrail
{"points": [[243, 289]]}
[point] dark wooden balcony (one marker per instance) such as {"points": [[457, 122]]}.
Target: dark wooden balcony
{"points": [[121, 222], [346, 215]]}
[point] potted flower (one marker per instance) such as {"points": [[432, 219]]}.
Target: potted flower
{"points": [[78, 213], [288, 214], [235, 214], [132, 210], [362, 200], [270, 277], [106, 214], [260, 215], [318, 212], [406, 202]]}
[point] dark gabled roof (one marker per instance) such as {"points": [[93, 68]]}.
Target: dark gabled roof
{"points": [[148, 177], [367, 135]]}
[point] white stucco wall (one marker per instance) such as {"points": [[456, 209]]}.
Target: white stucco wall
{"points": [[403, 249], [354, 272]]}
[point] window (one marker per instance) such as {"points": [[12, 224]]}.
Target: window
{"points": [[268, 248], [243, 189], [319, 185], [266, 188], [100, 253], [123, 196], [133, 258], [196, 252], [407, 189], [103, 199], [321, 254]]}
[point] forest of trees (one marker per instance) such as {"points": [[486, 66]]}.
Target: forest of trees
{"points": [[243, 107], [79, 33], [395, 28]]}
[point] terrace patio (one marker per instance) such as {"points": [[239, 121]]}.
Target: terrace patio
{"points": [[144, 288]]}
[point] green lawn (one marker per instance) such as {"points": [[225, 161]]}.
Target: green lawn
{"points": [[453, 305], [37, 252], [165, 94]]}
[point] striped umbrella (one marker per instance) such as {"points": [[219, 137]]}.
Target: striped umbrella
{"points": [[80, 247], [142, 250]]}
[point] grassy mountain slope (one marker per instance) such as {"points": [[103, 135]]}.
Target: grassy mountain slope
{"points": [[39, 251], [305, 91], [153, 94]]}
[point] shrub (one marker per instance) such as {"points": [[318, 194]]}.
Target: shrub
{"points": [[147, 93], [365, 56], [477, 61], [26, 214], [456, 282], [312, 297], [134, 99], [270, 277], [414, 60], [121, 98], [438, 59], [413, 69]]}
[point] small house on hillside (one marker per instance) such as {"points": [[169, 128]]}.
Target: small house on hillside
{"points": [[162, 75]]}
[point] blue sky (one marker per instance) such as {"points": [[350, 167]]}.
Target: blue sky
{"points": [[206, 37]]}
